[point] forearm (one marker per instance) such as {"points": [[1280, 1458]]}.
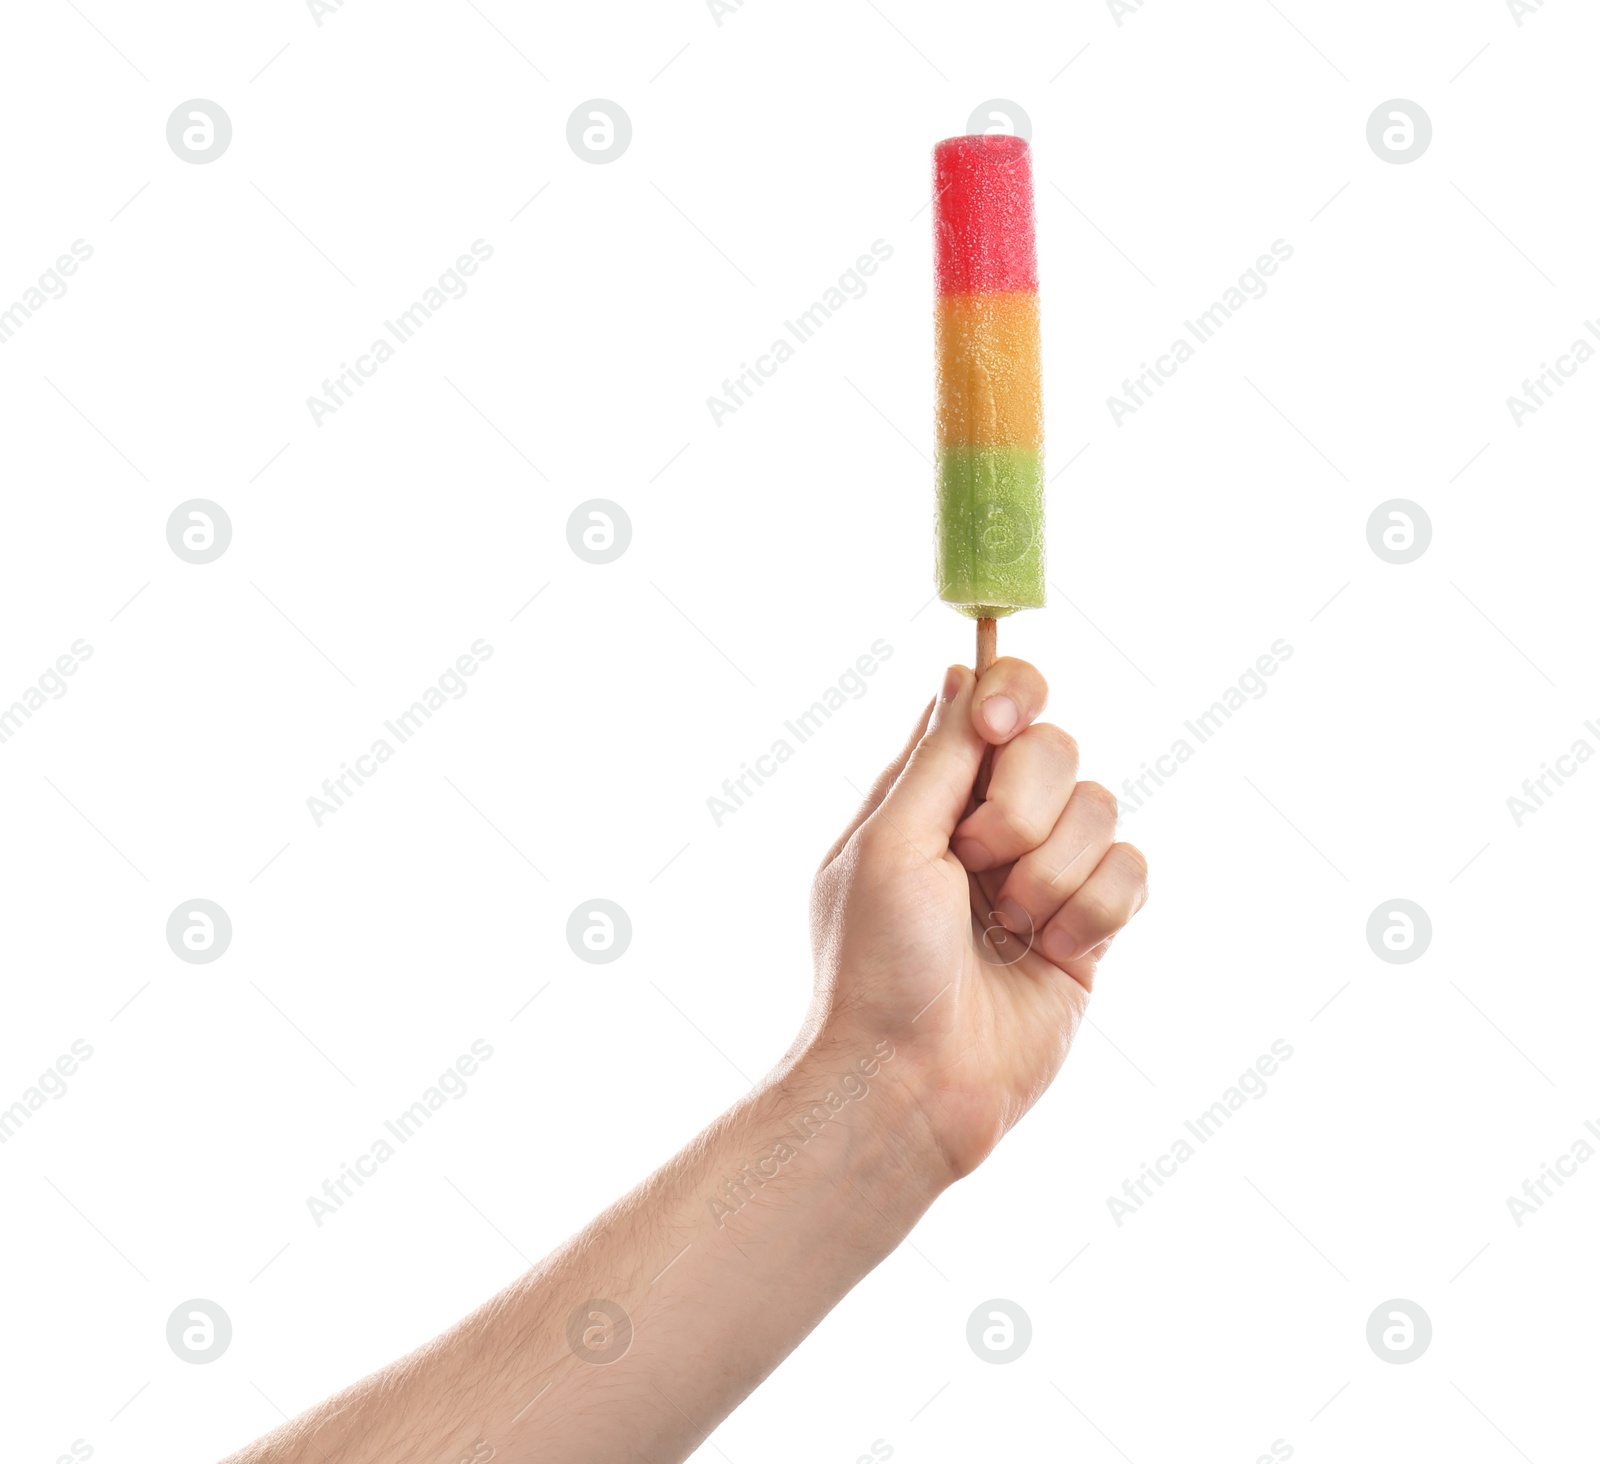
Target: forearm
{"points": [[640, 1334]]}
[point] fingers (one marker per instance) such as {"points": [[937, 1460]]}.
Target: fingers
{"points": [[1011, 694], [885, 781], [932, 791], [1028, 789], [1076, 935], [1044, 879]]}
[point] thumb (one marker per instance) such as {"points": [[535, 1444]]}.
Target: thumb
{"points": [[931, 795], [881, 785]]}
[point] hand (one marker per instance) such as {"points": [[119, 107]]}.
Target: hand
{"points": [[732, 1251], [969, 932]]}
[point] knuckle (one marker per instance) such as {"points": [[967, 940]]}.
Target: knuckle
{"points": [[1026, 885], [1027, 826], [1061, 744], [1107, 904], [1096, 912], [1133, 858], [1014, 668], [1098, 800], [1029, 684]]}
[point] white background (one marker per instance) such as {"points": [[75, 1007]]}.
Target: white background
{"points": [[769, 152]]}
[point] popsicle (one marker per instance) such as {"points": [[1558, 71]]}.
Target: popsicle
{"points": [[990, 559]]}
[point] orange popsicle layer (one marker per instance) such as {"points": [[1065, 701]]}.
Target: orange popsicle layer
{"points": [[987, 354]]}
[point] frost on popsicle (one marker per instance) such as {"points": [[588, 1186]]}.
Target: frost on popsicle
{"points": [[990, 420]]}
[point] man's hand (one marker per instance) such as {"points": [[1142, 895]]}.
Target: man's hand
{"points": [[935, 1025], [968, 933]]}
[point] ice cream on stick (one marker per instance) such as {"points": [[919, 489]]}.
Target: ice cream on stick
{"points": [[990, 422]]}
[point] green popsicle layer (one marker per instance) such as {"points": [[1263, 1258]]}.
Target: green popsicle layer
{"points": [[991, 529]]}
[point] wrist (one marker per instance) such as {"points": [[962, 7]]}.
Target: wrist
{"points": [[867, 1083]]}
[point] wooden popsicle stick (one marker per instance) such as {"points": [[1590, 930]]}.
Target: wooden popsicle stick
{"points": [[988, 634]]}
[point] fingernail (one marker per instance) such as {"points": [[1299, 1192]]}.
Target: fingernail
{"points": [[1000, 715], [952, 684], [973, 855], [1013, 916], [1058, 945]]}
